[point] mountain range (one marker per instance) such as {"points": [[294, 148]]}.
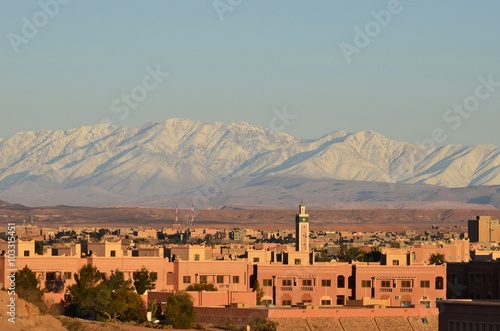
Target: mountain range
{"points": [[213, 165]]}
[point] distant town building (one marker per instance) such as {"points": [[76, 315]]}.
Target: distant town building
{"points": [[484, 229]]}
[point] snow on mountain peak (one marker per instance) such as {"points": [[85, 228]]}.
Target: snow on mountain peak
{"points": [[181, 154]]}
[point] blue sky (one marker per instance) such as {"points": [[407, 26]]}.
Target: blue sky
{"points": [[262, 55]]}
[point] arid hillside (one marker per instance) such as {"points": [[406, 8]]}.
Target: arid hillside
{"points": [[28, 317]]}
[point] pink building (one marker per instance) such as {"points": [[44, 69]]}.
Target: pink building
{"points": [[420, 253], [287, 278], [56, 268], [404, 286], [324, 284], [454, 251], [225, 275], [293, 278]]}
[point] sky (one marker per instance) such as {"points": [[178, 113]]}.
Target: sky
{"points": [[415, 71]]}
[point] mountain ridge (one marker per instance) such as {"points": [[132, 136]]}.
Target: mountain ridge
{"points": [[180, 156]]}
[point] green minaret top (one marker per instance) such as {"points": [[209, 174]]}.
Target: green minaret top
{"points": [[302, 216]]}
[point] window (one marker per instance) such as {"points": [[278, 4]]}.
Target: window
{"points": [[395, 262], [340, 281], [406, 283], [340, 300], [256, 259], [113, 253], [186, 279], [326, 282], [26, 253], [203, 279], [67, 275], [287, 282], [366, 283], [386, 283], [326, 302], [306, 282], [236, 279], [298, 261], [197, 257], [220, 279], [439, 283], [426, 304], [405, 304], [425, 283], [267, 302], [267, 282], [286, 302]]}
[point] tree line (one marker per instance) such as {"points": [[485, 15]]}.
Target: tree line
{"points": [[97, 296]]}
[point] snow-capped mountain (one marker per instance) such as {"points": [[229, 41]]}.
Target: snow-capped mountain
{"points": [[178, 156]]}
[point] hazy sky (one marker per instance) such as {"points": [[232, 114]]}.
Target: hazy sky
{"points": [[233, 60]]}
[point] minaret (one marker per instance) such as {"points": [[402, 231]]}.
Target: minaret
{"points": [[302, 229]]}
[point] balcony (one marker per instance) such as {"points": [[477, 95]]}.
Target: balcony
{"points": [[385, 289], [306, 288], [407, 290], [286, 289]]}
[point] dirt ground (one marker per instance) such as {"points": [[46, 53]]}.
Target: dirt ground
{"points": [[100, 326]]}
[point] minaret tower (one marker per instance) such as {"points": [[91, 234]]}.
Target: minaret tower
{"points": [[302, 229]]}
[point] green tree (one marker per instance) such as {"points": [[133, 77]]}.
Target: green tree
{"points": [[350, 254], [125, 304], [395, 244], [95, 296], [322, 256], [27, 287], [153, 308], [373, 256], [201, 287], [179, 311], [133, 310], [39, 247], [437, 259], [260, 292], [89, 295], [117, 282], [144, 280], [263, 324]]}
